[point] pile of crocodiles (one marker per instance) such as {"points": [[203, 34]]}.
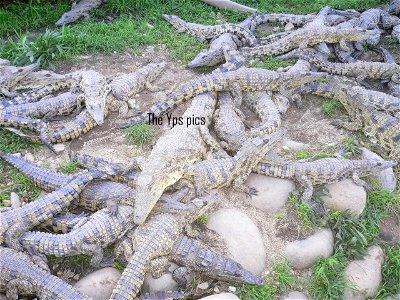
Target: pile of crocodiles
{"points": [[145, 208]]}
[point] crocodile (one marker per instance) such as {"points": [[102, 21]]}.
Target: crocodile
{"points": [[360, 69], [232, 171], [94, 91], [97, 232], [323, 171], [10, 75], [14, 222], [396, 33], [63, 223], [180, 146], [246, 79], [388, 21], [153, 241], [393, 8], [96, 195], [169, 295], [79, 10], [205, 32], [63, 104], [193, 255], [125, 86], [21, 275]]}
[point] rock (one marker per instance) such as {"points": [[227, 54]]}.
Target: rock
{"points": [[302, 254], [29, 157], [232, 289], [227, 296], [295, 296], [276, 29], [346, 195], [365, 275], [14, 199], [59, 148], [295, 146], [164, 283], [242, 237], [385, 179], [6, 203], [272, 192], [289, 27], [390, 229], [99, 284], [203, 286]]}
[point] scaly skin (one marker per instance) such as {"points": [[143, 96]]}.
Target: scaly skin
{"points": [[79, 10], [14, 222], [125, 86], [95, 196], [393, 8], [204, 32], [388, 21], [179, 147], [232, 171], [323, 171], [20, 275], [99, 231], [195, 256], [370, 18], [153, 240], [162, 296], [248, 79], [94, 92], [10, 75], [60, 105], [361, 69], [228, 123]]}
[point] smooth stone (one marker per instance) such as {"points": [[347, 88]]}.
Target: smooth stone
{"points": [[289, 27], [227, 296], [365, 275], [15, 201], [302, 254], [272, 192], [6, 203], [203, 285], [295, 296], [59, 148], [242, 237], [29, 157], [295, 146], [164, 283], [346, 195], [99, 284], [386, 178]]}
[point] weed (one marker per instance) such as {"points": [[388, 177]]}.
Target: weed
{"points": [[118, 266], [202, 219], [349, 146], [141, 134], [303, 212], [278, 282], [312, 155], [68, 167], [271, 63], [390, 273], [331, 107], [279, 216], [327, 278]]}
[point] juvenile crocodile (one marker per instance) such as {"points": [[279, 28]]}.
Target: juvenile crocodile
{"points": [[193, 255], [232, 171], [249, 79], [360, 69], [10, 75], [20, 275], [323, 171], [125, 86], [95, 196], [79, 10], [153, 241], [393, 8], [14, 222], [99, 231], [180, 146], [204, 32], [62, 104]]}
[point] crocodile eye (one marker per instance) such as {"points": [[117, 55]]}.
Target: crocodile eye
{"points": [[379, 164]]}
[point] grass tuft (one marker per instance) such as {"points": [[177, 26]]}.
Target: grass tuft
{"points": [[271, 63], [68, 167], [141, 134], [303, 212], [390, 273], [202, 219], [331, 107]]}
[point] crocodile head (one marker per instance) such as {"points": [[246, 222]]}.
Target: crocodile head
{"points": [[375, 165], [292, 81], [175, 21], [67, 18], [207, 58], [95, 90], [235, 272], [156, 70]]}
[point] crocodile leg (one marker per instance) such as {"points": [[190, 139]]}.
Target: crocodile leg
{"points": [[238, 185], [210, 140], [95, 251], [179, 275], [159, 266], [306, 183], [395, 153], [353, 125], [11, 236], [18, 285], [357, 180], [124, 248]]}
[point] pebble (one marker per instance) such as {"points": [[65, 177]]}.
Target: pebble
{"points": [[227, 296], [295, 296], [164, 283], [242, 237], [346, 195], [59, 148], [302, 254], [203, 286], [232, 289], [6, 203], [272, 192], [365, 274], [99, 284], [29, 157], [385, 178], [295, 146], [15, 201], [289, 27]]}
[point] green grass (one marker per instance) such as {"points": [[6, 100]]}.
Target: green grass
{"points": [[303, 212], [331, 107], [390, 273], [68, 167], [141, 134], [202, 219], [350, 146], [270, 63], [308, 154], [279, 281], [327, 278]]}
